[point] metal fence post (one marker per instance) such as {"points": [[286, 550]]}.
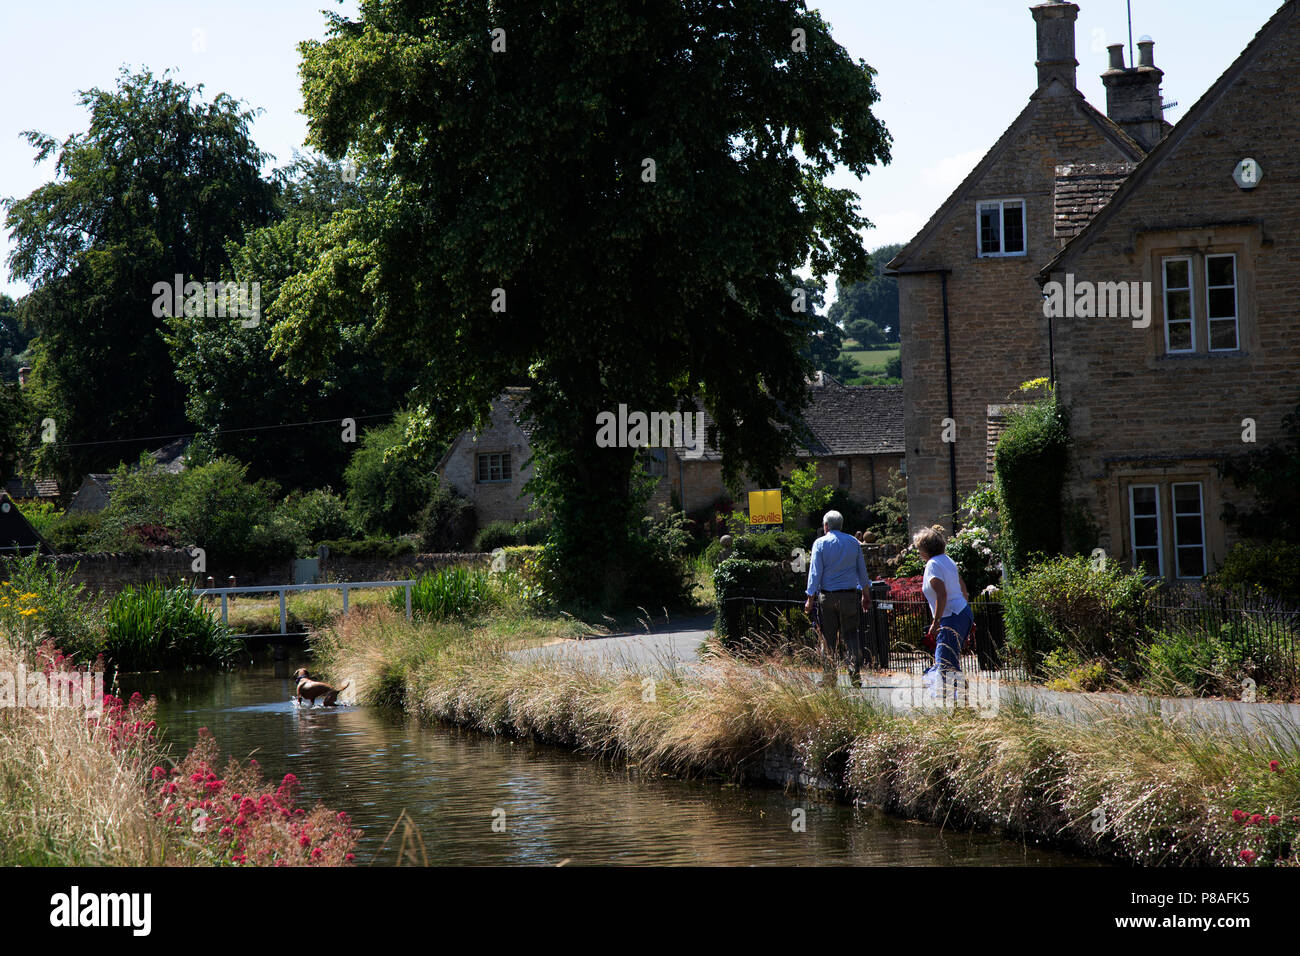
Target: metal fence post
{"points": [[345, 600], [224, 618], [408, 602], [283, 618]]}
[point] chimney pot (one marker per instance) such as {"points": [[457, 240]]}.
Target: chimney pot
{"points": [[1146, 52], [1116, 56]]}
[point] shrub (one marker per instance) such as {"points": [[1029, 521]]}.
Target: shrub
{"points": [[73, 532], [319, 515], [508, 534], [806, 495], [888, 515], [447, 522], [1030, 464], [768, 545], [157, 628], [737, 574], [40, 602], [972, 550], [449, 592], [387, 483], [1092, 611], [1252, 565]]}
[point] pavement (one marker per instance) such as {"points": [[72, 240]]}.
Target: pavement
{"points": [[674, 645]]}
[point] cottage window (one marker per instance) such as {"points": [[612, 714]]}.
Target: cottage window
{"points": [[1180, 313], [1144, 528], [1184, 537], [1189, 530], [845, 471], [1221, 301], [1001, 227], [494, 468]]}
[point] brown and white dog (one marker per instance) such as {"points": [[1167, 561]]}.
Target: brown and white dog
{"points": [[308, 690]]}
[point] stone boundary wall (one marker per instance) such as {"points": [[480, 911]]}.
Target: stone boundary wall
{"points": [[112, 571], [362, 568]]}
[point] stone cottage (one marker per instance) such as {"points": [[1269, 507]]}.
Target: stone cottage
{"points": [[970, 308], [1203, 234], [491, 467], [856, 441]]}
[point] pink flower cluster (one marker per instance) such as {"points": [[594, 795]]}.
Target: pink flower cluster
{"points": [[242, 821], [125, 724], [1271, 836]]}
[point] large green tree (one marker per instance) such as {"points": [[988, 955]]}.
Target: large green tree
{"points": [[240, 397], [606, 200], [868, 309], [155, 187]]}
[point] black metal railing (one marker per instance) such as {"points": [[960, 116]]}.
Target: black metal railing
{"points": [[1262, 633]]}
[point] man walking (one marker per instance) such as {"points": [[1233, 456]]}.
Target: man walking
{"points": [[837, 579]]}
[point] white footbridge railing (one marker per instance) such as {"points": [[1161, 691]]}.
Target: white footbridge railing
{"points": [[283, 589]]}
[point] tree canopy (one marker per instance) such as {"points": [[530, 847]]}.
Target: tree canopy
{"points": [[156, 186], [867, 310], [608, 202]]}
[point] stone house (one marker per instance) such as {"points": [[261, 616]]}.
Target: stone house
{"points": [[1159, 400], [490, 468], [970, 306], [856, 441]]}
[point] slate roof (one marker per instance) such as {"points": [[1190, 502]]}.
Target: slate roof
{"points": [[844, 420], [1081, 190], [20, 488]]}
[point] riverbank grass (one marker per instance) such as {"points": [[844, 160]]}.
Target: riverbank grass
{"points": [[1126, 787]]}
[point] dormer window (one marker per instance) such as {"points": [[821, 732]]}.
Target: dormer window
{"points": [[1002, 228]]}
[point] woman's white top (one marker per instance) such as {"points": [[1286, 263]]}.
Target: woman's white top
{"points": [[942, 567]]}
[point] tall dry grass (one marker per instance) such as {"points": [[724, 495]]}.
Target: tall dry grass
{"points": [[66, 796], [1130, 786]]}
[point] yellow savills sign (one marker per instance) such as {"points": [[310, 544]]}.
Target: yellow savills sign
{"points": [[765, 506]]}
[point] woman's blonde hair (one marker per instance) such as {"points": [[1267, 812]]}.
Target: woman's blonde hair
{"points": [[929, 540]]}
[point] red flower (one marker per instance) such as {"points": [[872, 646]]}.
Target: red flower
{"points": [[1238, 816], [304, 840], [1274, 766], [1248, 856], [159, 773], [317, 853], [1274, 819]]}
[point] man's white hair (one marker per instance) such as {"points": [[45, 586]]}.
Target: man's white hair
{"points": [[833, 520]]}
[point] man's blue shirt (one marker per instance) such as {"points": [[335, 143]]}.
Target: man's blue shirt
{"points": [[837, 564]]}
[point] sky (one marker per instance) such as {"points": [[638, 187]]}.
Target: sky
{"points": [[952, 74]]}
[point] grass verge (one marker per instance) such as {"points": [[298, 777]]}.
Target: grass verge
{"points": [[1132, 788]]}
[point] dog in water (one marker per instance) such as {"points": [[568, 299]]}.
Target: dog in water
{"points": [[308, 690]]}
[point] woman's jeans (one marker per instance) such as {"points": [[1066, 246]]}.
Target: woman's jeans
{"points": [[952, 635]]}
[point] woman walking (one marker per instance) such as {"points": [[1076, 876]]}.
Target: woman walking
{"points": [[950, 610]]}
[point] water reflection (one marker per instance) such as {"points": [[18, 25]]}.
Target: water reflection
{"points": [[455, 785]]}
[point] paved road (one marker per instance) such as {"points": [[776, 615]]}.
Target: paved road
{"points": [[664, 647]]}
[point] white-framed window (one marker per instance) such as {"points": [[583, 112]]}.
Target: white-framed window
{"points": [[1144, 529], [494, 468], [1189, 530], [1000, 226], [1180, 310], [1221, 302]]}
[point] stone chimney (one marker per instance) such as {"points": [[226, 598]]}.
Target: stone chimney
{"points": [[1133, 98], [1055, 21]]}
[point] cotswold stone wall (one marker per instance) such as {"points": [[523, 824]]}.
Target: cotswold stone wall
{"points": [[393, 569], [111, 572]]}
